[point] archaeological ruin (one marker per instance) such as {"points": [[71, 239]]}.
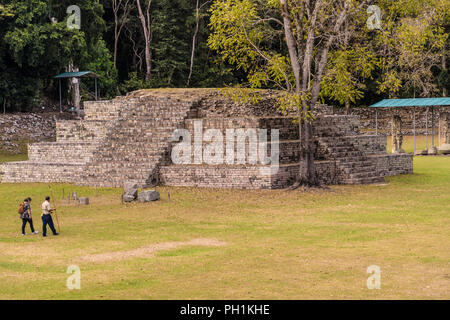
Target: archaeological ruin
{"points": [[131, 139]]}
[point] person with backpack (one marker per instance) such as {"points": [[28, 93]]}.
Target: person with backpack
{"points": [[47, 217], [25, 215]]}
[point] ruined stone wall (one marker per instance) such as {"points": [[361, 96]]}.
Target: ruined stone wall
{"points": [[20, 128], [371, 144], [393, 164], [80, 130]]}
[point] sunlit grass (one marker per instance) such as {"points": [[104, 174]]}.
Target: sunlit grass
{"points": [[13, 157], [280, 244], [408, 143]]}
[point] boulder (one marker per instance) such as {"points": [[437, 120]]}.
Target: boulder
{"points": [[130, 191], [445, 148], [128, 198], [149, 195]]}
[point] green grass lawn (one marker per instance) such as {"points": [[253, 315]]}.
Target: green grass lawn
{"points": [[408, 143], [13, 157], [277, 244]]}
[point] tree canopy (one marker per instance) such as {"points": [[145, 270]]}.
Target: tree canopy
{"points": [[137, 44]]}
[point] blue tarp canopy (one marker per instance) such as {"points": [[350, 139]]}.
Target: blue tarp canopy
{"points": [[416, 102], [79, 74]]}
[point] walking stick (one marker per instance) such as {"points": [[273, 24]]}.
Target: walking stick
{"points": [[56, 215]]}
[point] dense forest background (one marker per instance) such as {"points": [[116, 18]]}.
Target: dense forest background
{"points": [[136, 44]]}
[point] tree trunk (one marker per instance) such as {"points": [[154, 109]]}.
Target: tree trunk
{"points": [[119, 25], [4, 105], [116, 39], [194, 39], [308, 176], [444, 67], [307, 172], [146, 23]]}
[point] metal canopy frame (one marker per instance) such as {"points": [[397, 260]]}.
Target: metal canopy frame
{"points": [[79, 74], [415, 102]]}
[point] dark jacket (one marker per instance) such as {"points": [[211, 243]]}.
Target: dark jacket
{"points": [[27, 211]]}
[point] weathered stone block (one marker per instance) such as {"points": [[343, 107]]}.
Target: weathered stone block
{"points": [[149, 195], [129, 198]]}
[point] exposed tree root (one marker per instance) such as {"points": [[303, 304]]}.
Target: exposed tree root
{"points": [[306, 186]]}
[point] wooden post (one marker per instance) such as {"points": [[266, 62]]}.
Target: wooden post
{"points": [[60, 96], [96, 96], [414, 128], [432, 126], [426, 129]]}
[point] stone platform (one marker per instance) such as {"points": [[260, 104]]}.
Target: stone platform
{"points": [[130, 139]]}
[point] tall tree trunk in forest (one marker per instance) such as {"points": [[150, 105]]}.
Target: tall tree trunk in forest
{"points": [[4, 105], [194, 37], [444, 68], [146, 29], [119, 23]]}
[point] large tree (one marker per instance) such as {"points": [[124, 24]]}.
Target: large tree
{"points": [[413, 44], [285, 44]]}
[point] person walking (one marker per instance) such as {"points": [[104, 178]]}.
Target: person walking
{"points": [[27, 217], [47, 217]]}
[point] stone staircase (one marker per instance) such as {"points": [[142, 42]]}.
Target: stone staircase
{"points": [[137, 144], [335, 135], [117, 141]]}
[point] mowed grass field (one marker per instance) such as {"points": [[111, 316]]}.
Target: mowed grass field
{"points": [[237, 244]]}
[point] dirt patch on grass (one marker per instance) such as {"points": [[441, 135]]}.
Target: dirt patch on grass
{"points": [[150, 250]]}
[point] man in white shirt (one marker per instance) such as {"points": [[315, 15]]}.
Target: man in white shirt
{"points": [[47, 217]]}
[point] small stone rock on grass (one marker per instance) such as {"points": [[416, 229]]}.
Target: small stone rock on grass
{"points": [[149, 195], [128, 198]]}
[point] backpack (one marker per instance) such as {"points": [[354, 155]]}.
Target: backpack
{"points": [[21, 208]]}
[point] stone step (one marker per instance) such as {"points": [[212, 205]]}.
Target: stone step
{"points": [[358, 175], [32, 171], [373, 180], [351, 160], [61, 152], [350, 170], [347, 154], [81, 130]]}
